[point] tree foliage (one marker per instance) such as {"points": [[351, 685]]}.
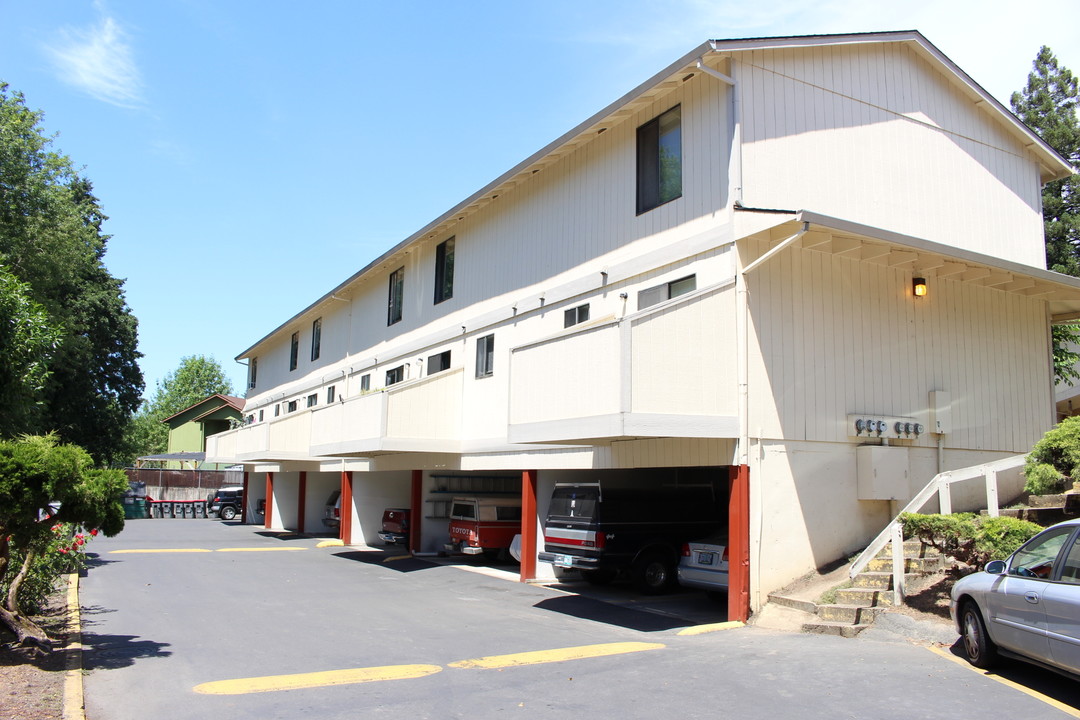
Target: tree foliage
{"points": [[1055, 459], [196, 378], [971, 539], [42, 484], [51, 241], [28, 341], [1048, 105]]}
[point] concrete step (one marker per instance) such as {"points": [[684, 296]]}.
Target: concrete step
{"points": [[1046, 501], [1044, 516], [865, 596], [881, 580], [833, 628], [912, 548], [911, 564], [805, 606], [848, 614]]}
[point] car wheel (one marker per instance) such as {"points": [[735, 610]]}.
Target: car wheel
{"points": [[981, 650], [598, 577], [654, 573], [228, 512]]}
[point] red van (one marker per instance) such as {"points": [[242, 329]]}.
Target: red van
{"points": [[483, 525], [395, 526]]}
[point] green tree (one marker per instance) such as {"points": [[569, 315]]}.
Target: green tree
{"points": [[36, 473], [1048, 105], [196, 378], [51, 240], [27, 343]]}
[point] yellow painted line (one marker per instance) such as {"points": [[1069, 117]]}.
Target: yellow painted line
{"points": [[272, 683], [1067, 709], [330, 543], [160, 550], [261, 549], [712, 627], [558, 655], [392, 558], [73, 677]]}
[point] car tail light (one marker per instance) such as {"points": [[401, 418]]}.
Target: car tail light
{"points": [[686, 549], [725, 554], [337, 512], [600, 538]]}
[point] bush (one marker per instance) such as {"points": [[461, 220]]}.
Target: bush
{"points": [[971, 539], [1054, 460], [62, 553]]}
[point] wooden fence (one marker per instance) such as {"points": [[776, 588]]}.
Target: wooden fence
{"points": [[177, 485]]}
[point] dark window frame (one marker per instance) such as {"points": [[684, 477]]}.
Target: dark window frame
{"points": [[485, 356], [576, 315], [438, 362], [312, 400], [679, 285], [395, 375], [365, 383], [294, 351], [659, 160], [331, 393], [444, 270], [253, 372], [316, 339], [396, 298]]}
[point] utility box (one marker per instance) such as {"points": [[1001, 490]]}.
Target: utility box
{"points": [[882, 472], [940, 412]]}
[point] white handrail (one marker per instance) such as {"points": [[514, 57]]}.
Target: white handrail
{"points": [[939, 485]]}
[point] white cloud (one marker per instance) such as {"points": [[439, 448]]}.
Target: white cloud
{"points": [[99, 62]]}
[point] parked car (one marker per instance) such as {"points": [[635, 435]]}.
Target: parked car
{"points": [[603, 529], [704, 565], [483, 525], [332, 511], [1026, 607], [226, 502], [395, 526]]}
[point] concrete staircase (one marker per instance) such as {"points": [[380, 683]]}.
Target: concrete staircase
{"points": [[870, 593], [1046, 510]]}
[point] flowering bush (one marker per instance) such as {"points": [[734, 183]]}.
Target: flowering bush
{"points": [[63, 551]]}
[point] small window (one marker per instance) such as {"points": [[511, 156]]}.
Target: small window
{"points": [[444, 270], [277, 410], [312, 399], [261, 416], [291, 407], [438, 363], [576, 315], [395, 376], [1036, 558], [485, 356], [659, 160], [253, 372], [330, 392], [365, 383], [316, 339], [397, 296], [1070, 569], [294, 351], [463, 511], [660, 293], [249, 419]]}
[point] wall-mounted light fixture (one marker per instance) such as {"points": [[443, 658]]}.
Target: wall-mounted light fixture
{"points": [[918, 287]]}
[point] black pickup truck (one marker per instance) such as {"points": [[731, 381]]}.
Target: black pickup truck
{"points": [[603, 529]]}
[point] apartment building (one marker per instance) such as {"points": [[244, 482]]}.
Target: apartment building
{"points": [[795, 261]]}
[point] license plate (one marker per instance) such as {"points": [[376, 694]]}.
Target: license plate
{"points": [[564, 561], [705, 558]]}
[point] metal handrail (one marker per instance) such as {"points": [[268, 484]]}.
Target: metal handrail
{"points": [[940, 485]]}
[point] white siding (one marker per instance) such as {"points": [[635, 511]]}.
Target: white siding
{"points": [[874, 134]]}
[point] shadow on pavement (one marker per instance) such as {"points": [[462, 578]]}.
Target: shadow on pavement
{"points": [[109, 652], [391, 561], [1064, 689], [600, 611]]}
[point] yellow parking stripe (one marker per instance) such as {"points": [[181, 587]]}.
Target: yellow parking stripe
{"points": [[260, 549], [711, 627], [1067, 709], [160, 550], [558, 655], [271, 683], [392, 558]]}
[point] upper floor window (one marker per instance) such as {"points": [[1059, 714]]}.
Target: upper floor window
{"points": [[291, 406], [576, 315], [659, 160], [438, 363], [294, 350], [395, 375], [330, 392], [660, 293], [277, 410], [485, 356], [253, 372], [312, 399], [261, 415], [316, 339], [397, 296], [444, 270], [365, 383]]}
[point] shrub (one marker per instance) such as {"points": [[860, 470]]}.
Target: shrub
{"points": [[972, 539], [62, 552], [1054, 460]]}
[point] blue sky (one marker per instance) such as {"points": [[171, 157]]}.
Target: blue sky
{"points": [[251, 154]]}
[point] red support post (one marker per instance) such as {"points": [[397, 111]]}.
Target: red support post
{"points": [[243, 508], [301, 502], [739, 543], [416, 507], [528, 525], [345, 525], [268, 509]]}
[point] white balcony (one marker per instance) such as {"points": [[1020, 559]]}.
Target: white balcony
{"points": [[670, 371]]}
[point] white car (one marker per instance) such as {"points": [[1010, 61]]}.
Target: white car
{"points": [[1027, 606], [704, 565]]}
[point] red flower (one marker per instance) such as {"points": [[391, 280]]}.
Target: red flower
{"points": [[94, 532], [63, 550]]}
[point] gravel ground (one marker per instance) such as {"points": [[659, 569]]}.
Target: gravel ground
{"points": [[32, 688]]}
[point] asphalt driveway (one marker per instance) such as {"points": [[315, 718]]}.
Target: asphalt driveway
{"points": [[204, 619]]}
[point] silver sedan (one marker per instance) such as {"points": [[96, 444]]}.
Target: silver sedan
{"points": [[1027, 606]]}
